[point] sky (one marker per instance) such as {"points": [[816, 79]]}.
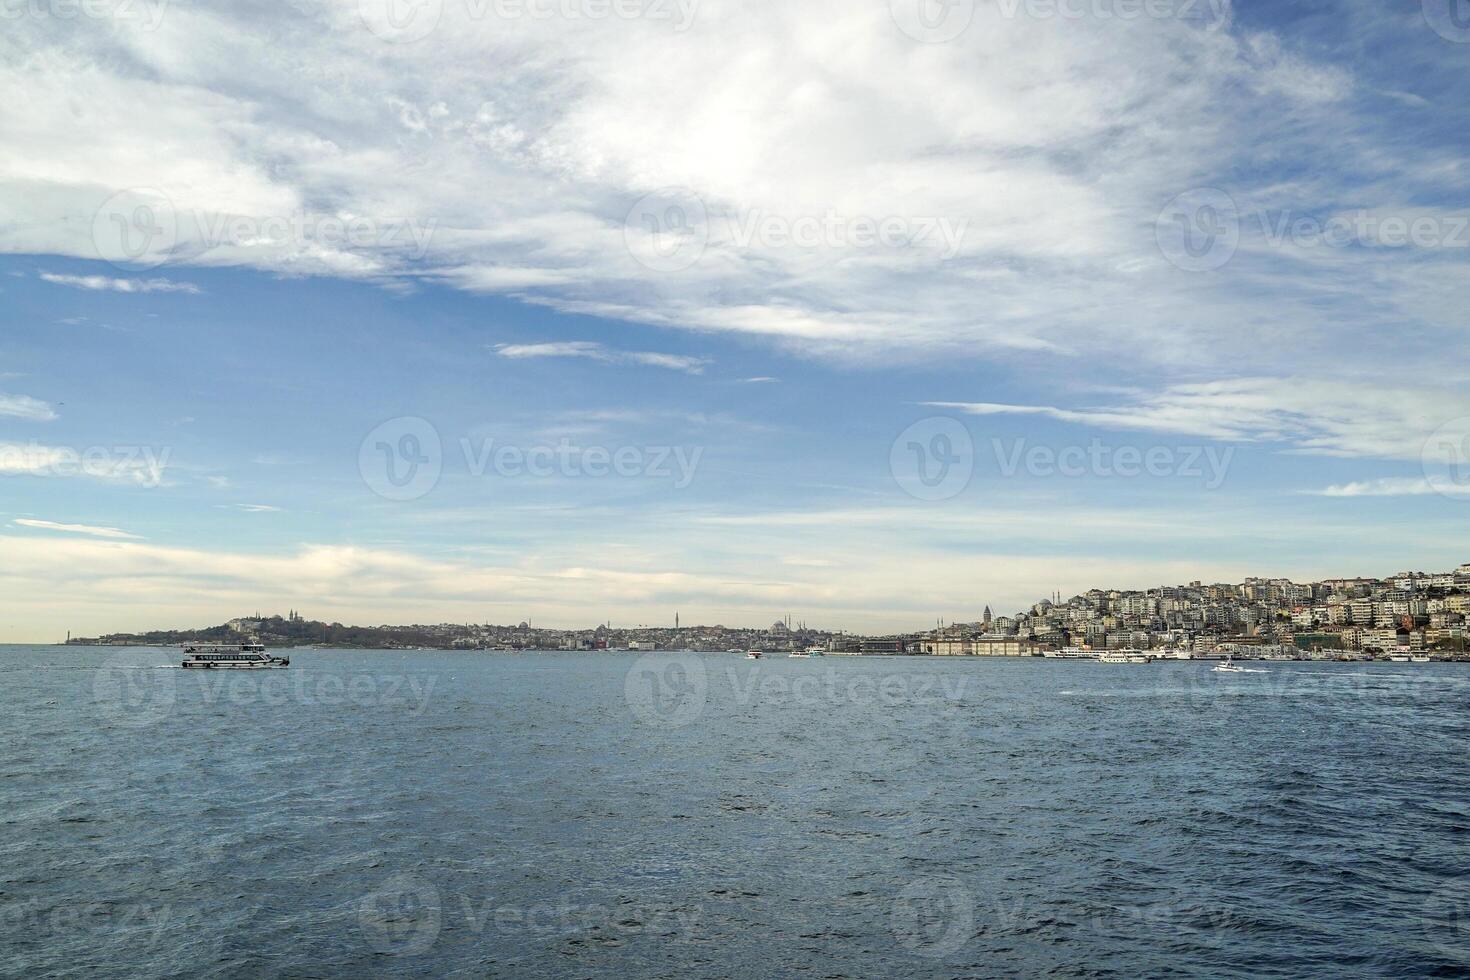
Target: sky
{"points": [[869, 312]]}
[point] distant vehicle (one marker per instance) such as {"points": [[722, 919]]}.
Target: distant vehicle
{"points": [[246, 656]]}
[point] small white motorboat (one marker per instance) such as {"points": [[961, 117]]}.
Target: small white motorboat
{"points": [[753, 655], [1228, 666]]}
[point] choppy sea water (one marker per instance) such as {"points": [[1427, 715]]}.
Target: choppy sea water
{"points": [[680, 815]]}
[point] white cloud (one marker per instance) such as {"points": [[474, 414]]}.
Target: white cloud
{"points": [[85, 529], [25, 407], [1397, 487], [121, 285], [1316, 417], [599, 352], [520, 146]]}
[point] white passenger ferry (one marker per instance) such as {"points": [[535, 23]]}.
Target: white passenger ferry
{"points": [[1071, 653], [246, 656]]}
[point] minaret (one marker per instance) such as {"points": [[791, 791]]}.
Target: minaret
{"points": [[676, 620]]}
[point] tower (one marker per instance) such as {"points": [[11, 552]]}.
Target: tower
{"points": [[987, 616]]}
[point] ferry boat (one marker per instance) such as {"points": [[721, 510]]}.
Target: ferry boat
{"points": [[246, 656], [816, 651], [1418, 659], [1124, 657], [1071, 653], [753, 655]]}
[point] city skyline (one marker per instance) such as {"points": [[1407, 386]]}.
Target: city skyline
{"points": [[742, 317]]}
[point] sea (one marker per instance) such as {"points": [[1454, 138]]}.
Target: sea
{"points": [[417, 813]]}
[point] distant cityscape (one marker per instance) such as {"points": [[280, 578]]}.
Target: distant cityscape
{"points": [[1407, 614]]}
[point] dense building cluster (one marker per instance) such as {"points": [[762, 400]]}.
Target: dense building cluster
{"points": [[1412, 612]]}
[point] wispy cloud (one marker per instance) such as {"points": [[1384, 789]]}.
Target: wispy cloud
{"points": [[257, 508], [759, 381], [25, 407], [599, 352], [1310, 416], [85, 529], [110, 284], [1396, 487]]}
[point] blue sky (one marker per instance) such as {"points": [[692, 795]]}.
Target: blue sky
{"points": [[788, 262]]}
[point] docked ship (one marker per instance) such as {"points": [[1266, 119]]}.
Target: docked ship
{"points": [[1125, 657], [246, 656], [1071, 653]]}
